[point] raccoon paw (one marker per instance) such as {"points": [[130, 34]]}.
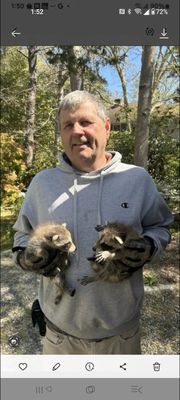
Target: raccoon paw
{"points": [[58, 299], [101, 256], [91, 258], [72, 292]]}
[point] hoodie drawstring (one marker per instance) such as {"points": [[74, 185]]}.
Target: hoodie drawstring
{"points": [[75, 211], [99, 216], [75, 222]]}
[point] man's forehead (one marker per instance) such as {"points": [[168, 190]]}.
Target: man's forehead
{"points": [[85, 109]]}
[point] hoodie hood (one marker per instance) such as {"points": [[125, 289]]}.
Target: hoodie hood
{"points": [[66, 166]]}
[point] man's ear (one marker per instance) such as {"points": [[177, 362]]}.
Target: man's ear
{"points": [[107, 127]]}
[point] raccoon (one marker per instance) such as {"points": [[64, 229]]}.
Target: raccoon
{"points": [[47, 241], [107, 261]]}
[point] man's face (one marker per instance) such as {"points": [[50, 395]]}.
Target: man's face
{"points": [[84, 135]]}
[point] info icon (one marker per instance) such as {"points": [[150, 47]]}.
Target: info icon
{"points": [[14, 341]]}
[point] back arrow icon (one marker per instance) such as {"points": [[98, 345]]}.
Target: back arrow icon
{"points": [[14, 33]]}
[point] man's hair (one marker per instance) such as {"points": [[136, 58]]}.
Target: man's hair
{"points": [[74, 99]]}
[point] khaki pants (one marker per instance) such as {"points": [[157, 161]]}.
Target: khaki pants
{"points": [[57, 343]]}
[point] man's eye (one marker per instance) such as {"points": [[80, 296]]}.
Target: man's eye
{"points": [[68, 126], [85, 123]]}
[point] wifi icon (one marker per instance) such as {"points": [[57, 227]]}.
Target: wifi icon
{"points": [[138, 11]]}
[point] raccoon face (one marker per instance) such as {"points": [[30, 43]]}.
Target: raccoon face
{"points": [[109, 243], [63, 244], [61, 239]]}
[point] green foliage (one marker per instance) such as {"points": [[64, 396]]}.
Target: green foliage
{"points": [[163, 161], [12, 168], [14, 80], [7, 232], [124, 143], [150, 278]]}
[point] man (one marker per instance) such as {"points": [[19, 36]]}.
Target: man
{"points": [[89, 187]]}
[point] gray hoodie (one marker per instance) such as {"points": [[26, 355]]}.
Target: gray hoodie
{"points": [[116, 192]]}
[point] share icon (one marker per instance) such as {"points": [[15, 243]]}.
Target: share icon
{"points": [[123, 366]]}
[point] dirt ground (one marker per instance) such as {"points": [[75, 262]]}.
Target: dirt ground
{"points": [[160, 314]]}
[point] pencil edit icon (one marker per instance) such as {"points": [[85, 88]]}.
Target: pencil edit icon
{"points": [[56, 366]]}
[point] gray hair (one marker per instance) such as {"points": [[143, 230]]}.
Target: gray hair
{"points": [[74, 99]]}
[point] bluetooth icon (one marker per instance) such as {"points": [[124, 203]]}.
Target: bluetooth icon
{"points": [[129, 11]]}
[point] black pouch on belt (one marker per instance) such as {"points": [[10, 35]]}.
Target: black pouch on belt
{"points": [[38, 317]]}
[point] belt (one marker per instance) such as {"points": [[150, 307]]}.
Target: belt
{"points": [[54, 328]]}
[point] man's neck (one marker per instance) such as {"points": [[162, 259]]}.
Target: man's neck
{"points": [[89, 167]]}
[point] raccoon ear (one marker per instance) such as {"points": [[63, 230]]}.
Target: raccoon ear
{"points": [[55, 237], [99, 228], [64, 224], [119, 240]]}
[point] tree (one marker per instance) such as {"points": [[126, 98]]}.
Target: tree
{"points": [[14, 81], [144, 106], [116, 57], [165, 76], [76, 67], [30, 106]]}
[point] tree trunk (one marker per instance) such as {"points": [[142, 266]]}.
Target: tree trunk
{"points": [[62, 77], [126, 103], [30, 106], [75, 68], [144, 106]]}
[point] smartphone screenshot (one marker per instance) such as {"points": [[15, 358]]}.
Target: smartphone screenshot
{"points": [[90, 206]]}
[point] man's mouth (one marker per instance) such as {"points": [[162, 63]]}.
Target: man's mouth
{"points": [[82, 144]]}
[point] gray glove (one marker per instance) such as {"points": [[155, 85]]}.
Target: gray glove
{"points": [[136, 253], [44, 265]]}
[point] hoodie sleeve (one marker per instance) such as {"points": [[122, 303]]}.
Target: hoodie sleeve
{"points": [[27, 219], [156, 218]]}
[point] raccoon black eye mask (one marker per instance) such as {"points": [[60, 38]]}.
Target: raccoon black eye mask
{"points": [[118, 253]]}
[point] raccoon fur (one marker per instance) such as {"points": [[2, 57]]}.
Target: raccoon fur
{"points": [[107, 259], [47, 241]]}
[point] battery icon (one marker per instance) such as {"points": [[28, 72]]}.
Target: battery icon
{"points": [[153, 11]]}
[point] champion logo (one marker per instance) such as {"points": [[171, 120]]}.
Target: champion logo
{"points": [[125, 205]]}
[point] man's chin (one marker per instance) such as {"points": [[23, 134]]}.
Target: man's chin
{"points": [[83, 151], [85, 157], [82, 147]]}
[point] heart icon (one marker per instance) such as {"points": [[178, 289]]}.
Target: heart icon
{"points": [[23, 366]]}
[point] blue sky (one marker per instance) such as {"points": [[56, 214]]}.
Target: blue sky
{"points": [[132, 70]]}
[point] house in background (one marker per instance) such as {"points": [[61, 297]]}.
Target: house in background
{"points": [[164, 114], [118, 116]]}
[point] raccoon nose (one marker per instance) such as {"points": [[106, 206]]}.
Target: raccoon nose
{"points": [[72, 247], [94, 248]]}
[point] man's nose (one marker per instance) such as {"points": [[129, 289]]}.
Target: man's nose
{"points": [[77, 128]]}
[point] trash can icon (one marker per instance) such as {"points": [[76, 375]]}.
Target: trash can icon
{"points": [[156, 366]]}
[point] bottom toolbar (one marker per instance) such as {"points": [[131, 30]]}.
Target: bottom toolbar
{"points": [[90, 366]]}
